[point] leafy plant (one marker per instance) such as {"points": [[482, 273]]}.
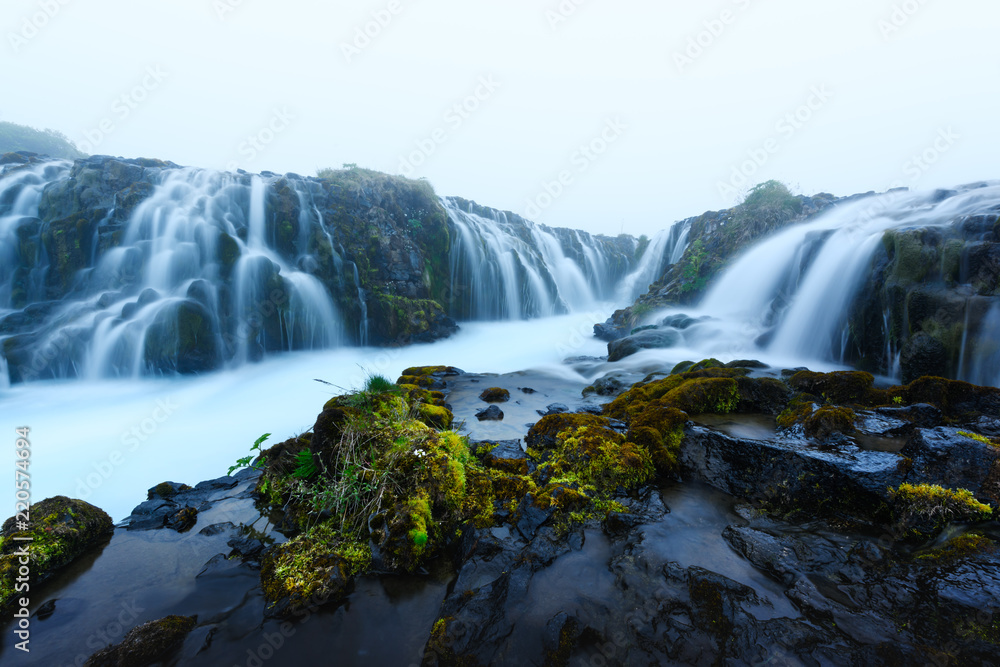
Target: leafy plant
{"points": [[694, 259], [305, 466], [247, 460]]}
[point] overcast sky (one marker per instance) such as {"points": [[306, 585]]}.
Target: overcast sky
{"points": [[642, 109]]}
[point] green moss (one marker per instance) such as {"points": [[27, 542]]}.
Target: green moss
{"points": [[601, 457], [979, 438], [828, 420], [495, 395], [61, 529], [924, 509], [840, 387], [958, 548], [705, 395], [660, 429]]}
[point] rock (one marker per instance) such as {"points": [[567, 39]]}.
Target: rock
{"points": [[553, 409], [509, 456], [495, 395], [923, 355], [62, 530], [492, 413], [652, 339], [147, 645]]}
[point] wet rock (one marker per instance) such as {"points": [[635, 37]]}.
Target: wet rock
{"points": [[923, 355], [149, 644], [943, 456], [61, 530], [495, 395], [645, 340], [492, 413], [553, 409]]}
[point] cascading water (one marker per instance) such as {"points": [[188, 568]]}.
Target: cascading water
{"points": [[511, 268], [666, 248], [191, 270], [788, 298], [981, 365]]}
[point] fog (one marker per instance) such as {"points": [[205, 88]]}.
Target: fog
{"points": [[603, 116]]}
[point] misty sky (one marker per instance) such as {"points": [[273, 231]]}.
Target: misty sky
{"points": [[642, 109]]}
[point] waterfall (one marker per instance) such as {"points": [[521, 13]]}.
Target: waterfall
{"points": [[789, 297], [194, 270], [505, 267], [666, 248], [982, 363]]}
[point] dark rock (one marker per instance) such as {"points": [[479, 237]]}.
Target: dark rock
{"points": [[654, 339], [149, 644], [492, 413], [553, 409], [217, 529], [61, 530], [46, 610], [923, 355], [495, 395]]}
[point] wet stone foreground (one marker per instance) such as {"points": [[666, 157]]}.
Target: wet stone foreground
{"points": [[710, 515]]}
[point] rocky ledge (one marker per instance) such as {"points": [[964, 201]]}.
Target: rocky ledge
{"points": [[709, 515]]}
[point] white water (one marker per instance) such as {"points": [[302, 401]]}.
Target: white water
{"points": [[108, 441], [799, 283]]}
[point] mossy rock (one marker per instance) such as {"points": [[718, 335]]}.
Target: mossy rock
{"points": [[543, 435], [310, 570], [599, 457], [829, 420], [61, 529], [922, 511], [956, 549], [955, 399], [705, 395], [434, 415], [840, 387], [495, 395], [660, 429], [149, 644]]}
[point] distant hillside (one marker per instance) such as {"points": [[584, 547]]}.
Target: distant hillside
{"points": [[15, 137]]}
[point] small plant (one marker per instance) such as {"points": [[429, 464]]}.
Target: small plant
{"points": [[305, 466], [898, 400], [926, 509], [247, 460]]}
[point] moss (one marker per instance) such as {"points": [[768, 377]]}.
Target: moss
{"points": [[495, 395], [307, 568], [923, 510], [958, 548], [434, 415], [660, 429], [798, 409], [980, 438], [829, 420], [61, 530], [603, 458], [543, 434], [705, 395], [147, 644], [840, 387], [957, 400]]}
